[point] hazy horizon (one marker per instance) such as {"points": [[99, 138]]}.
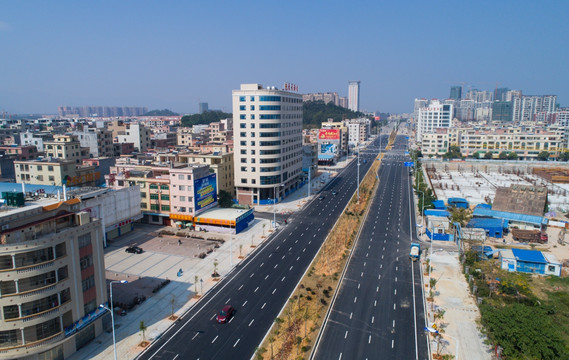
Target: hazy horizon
{"points": [[173, 55]]}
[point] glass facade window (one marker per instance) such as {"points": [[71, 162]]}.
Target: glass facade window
{"points": [[252, 107], [252, 98], [242, 107], [269, 134], [241, 98], [269, 98], [270, 126], [242, 116], [269, 107], [270, 180], [270, 143], [165, 207], [164, 187], [242, 125], [165, 197], [269, 117]]}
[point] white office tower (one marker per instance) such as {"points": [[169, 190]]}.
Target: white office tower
{"points": [[354, 95], [267, 134], [419, 104], [434, 116]]}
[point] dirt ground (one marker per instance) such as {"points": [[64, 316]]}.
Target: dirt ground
{"points": [[453, 296]]}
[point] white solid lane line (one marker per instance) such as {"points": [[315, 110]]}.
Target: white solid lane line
{"points": [[237, 342], [215, 339]]}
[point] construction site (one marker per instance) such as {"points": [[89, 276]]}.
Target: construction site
{"points": [[478, 182]]}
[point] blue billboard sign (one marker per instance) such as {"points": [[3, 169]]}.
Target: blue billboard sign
{"points": [[409, 163], [205, 193]]}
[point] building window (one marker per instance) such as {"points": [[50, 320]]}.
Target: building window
{"points": [[252, 134], [143, 205], [84, 240], [40, 168], [88, 283], [182, 209], [50, 168], [244, 168], [243, 181], [242, 134], [165, 207], [242, 116], [242, 107], [153, 186], [143, 195], [270, 117], [181, 177], [269, 98], [242, 125], [165, 197], [182, 187], [241, 98], [85, 262], [165, 187], [243, 152], [252, 98], [153, 206], [243, 143], [182, 198], [252, 107], [153, 196], [252, 116]]}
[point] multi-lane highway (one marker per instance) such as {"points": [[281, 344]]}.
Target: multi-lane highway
{"points": [[378, 312], [259, 286]]}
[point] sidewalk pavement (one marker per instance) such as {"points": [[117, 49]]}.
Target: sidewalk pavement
{"points": [[156, 310], [453, 296]]}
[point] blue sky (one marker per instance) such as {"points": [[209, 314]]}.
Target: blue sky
{"points": [[172, 54]]}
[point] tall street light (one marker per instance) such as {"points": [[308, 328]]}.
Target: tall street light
{"points": [[358, 173], [422, 206], [113, 313], [275, 206]]}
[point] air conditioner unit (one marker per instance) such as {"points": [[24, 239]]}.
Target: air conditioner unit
{"points": [[5, 227]]}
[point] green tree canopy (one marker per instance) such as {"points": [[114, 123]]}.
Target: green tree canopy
{"points": [[164, 112], [512, 156], [543, 156], [488, 155], [204, 118], [525, 332], [225, 200], [503, 155], [564, 156], [314, 113], [476, 155], [453, 153]]}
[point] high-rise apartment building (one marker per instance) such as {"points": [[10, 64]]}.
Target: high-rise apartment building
{"points": [[53, 280], [203, 107], [419, 104], [435, 115], [267, 135], [502, 111], [456, 92], [354, 95]]}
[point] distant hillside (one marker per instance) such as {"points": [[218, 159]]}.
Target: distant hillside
{"points": [[164, 112], [204, 118], [316, 112]]}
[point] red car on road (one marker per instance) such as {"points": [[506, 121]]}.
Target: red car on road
{"points": [[225, 314]]}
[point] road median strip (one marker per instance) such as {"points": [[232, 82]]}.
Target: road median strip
{"points": [[300, 321]]}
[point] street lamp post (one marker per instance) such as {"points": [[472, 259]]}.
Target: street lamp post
{"points": [[358, 174], [422, 206], [112, 313], [230, 247], [275, 206]]}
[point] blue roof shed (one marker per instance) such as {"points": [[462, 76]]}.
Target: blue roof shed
{"points": [[510, 216], [530, 261], [494, 227], [458, 202], [439, 205], [441, 213]]}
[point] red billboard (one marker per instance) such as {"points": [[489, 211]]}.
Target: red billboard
{"points": [[329, 134]]}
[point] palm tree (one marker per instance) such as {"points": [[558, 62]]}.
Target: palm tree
{"points": [[143, 328]]}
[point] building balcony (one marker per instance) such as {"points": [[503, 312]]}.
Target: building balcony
{"points": [[17, 351]]}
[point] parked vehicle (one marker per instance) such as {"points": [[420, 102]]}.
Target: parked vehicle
{"points": [[415, 251], [133, 250], [225, 314], [532, 236]]}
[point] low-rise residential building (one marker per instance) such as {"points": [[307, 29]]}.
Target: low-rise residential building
{"points": [[220, 162], [35, 138], [526, 142], [187, 137], [99, 141], [44, 171], [21, 152], [66, 147], [162, 188], [134, 133], [53, 280], [358, 131]]}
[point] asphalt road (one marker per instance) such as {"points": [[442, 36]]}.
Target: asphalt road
{"points": [[260, 285], [378, 313]]}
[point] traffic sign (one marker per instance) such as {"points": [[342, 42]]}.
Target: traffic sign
{"points": [[409, 163]]}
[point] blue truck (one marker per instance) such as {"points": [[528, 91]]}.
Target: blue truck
{"points": [[415, 251]]}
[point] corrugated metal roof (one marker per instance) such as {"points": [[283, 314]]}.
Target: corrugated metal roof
{"points": [[457, 200], [530, 219], [486, 222], [442, 213], [533, 256]]}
